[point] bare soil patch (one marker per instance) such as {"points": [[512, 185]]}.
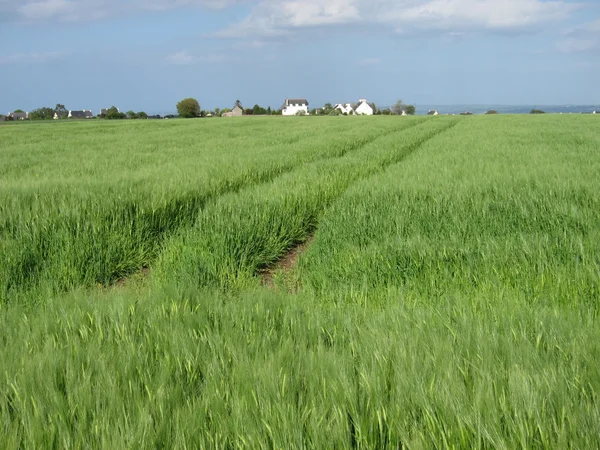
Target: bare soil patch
{"points": [[286, 264]]}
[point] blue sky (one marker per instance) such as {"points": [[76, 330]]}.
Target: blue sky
{"points": [[148, 54]]}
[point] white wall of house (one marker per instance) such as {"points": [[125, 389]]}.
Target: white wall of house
{"points": [[364, 109], [291, 110], [347, 108]]}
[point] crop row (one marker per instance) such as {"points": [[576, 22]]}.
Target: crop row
{"points": [[63, 226], [241, 233]]}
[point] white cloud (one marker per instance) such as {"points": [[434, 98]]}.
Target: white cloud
{"points": [[30, 58], [276, 18], [89, 10], [185, 58], [584, 38], [369, 61], [181, 58]]}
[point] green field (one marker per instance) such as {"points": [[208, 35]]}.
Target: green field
{"points": [[445, 294]]}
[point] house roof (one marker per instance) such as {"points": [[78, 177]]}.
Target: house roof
{"points": [[84, 113], [295, 101], [238, 105], [364, 102]]}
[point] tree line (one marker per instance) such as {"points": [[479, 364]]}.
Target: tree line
{"points": [[190, 108]]}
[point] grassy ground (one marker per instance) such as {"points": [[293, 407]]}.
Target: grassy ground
{"points": [[449, 297]]}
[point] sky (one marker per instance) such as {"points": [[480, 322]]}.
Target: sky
{"points": [[146, 55]]}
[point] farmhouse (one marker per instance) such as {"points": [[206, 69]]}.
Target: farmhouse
{"points": [[18, 116], [432, 112], [237, 110], [293, 106], [84, 114], [344, 108], [363, 108]]}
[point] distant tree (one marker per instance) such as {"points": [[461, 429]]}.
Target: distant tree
{"points": [[18, 111], [327, 109], [113, 114], [492, 111], [400, 107], [188, 108], [259, 110], [537, 111], [142, 115], [61, 111], [42, 114], [301, 113], [131, 115], [269, 111], [217, 111], [468, 113]]}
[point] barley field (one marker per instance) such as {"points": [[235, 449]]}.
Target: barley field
{"points": [[301, 283]]}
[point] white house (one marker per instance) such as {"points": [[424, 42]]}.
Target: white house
{"points": [[345, 108], [433, 112], [293, 106], [363, 108]]}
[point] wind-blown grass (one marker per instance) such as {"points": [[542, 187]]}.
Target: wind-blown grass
{"points": [[449, 297], [85, 204]]}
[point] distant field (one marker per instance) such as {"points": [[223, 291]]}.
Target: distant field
{"points": [[440, 283]]}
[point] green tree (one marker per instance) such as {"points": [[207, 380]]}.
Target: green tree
{"points": [[61, 111], [41, 114], [258, 110], [131, 115], [142, 115], [188, 108], [492, 111], [400, 107], [18, 111], [113, 114], [537, 111]]}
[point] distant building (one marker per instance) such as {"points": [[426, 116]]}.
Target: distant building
{"points": [[18, 115], [432, 112], [293, 106], [363, 108], [237, 110], [344, 108], [83, 114]]}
